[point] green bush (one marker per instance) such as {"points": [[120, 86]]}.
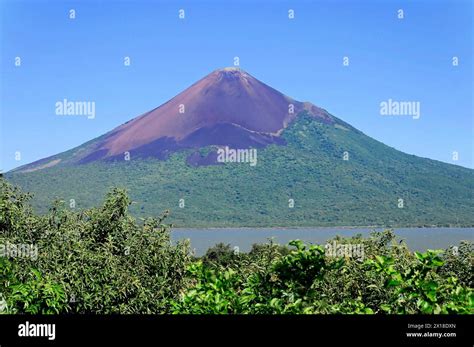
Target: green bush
{"points": [[420, 289], [102, 260], [36, 295], [390, 280]]}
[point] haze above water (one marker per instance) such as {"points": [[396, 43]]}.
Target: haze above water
{"points": [[417, 239]]}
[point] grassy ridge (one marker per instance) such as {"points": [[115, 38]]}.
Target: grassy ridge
{"points": [[327, 190]]}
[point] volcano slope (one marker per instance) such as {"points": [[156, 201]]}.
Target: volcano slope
{"points": [[312, 168]]}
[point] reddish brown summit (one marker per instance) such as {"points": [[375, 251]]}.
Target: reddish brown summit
{"points": [[228, 107]]}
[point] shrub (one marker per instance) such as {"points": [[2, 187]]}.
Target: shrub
{"points": [[102, 258]]}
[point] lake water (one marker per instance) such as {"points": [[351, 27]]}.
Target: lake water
{"points": [[417, 239]]}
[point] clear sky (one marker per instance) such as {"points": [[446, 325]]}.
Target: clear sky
{"points": [[82, 59]]}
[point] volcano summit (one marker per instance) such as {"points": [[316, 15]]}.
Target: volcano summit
{"points": [[332, 172], [228, 107]]}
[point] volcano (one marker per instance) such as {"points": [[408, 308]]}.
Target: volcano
{"points": [[228, 107], [313, 169]]}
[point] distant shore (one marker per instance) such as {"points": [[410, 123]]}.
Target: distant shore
{"points": [[324, 227]]}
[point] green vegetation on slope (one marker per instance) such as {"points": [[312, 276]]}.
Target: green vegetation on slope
{"points": [[327, 190], [102, 261]]}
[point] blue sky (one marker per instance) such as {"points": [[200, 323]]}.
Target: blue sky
{"points": [[82, 59]]}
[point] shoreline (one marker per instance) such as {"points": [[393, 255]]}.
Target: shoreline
{"points": [[318, 228]]}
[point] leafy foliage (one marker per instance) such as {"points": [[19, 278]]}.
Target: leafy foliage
{"points": [[419, 288], [305, 280], [36, 295], [102, 260]]}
